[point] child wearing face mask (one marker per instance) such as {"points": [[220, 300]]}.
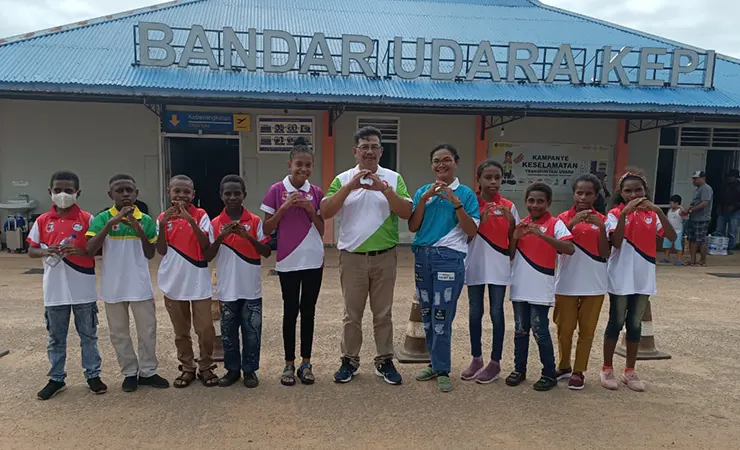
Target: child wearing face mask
{"points": [[58, 236]]}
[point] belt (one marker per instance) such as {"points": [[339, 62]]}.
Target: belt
{"points": [[375, 252]]}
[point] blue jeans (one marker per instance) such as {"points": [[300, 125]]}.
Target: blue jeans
{"points": [[86, 324], [440, 275], [247, 316], [626, 311], [528, 316], [496, 301], [728, 224]]}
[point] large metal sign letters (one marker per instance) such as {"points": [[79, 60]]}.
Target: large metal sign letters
{"points": [[276, 51]]}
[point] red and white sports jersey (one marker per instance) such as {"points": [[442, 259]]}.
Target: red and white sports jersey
{"points": [[238, 264], [72, 281], [533, 271], [583, 272], [488, 260], [183, 273], [631, 268]]}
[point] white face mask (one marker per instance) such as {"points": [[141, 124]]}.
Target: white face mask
{"points": [[64, 200]]}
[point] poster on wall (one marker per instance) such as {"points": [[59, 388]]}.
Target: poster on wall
{"points": [[277, 134], [556, 165]]}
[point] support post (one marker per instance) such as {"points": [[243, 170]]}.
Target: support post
{"points": [[622, 151], [327, 167], [481, 145]]}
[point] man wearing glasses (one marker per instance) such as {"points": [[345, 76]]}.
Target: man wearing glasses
{"points": [[369, 199]]}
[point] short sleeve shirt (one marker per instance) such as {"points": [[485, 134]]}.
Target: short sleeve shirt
{"points": [[533, 269], [703, 193], [299, 244], [440, 227], [584, 272], [366, 222], [72, 281], [488, 260], [125, 270], [238, 264], [631, 268], [183, 273]]}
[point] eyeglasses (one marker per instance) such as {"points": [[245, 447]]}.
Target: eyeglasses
{"points": [[448, 160], [366, 147]]}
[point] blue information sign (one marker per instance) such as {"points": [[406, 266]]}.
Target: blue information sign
{"points": [[192, 122]]}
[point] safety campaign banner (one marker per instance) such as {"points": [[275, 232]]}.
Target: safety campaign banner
{"points": [[556, 165]]}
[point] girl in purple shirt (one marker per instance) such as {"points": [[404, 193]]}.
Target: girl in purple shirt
{"points": [[292, 207]]}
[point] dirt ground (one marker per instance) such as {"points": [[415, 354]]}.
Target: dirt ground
{"points": [[692, 401]]}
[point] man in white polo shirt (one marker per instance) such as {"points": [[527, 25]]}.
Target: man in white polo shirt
{"points": [[369, 200]]}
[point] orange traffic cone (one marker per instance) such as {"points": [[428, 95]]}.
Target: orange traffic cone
{"points": [[646, 350], [414, 350]]}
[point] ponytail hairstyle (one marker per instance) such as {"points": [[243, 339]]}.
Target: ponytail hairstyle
{"points": [[300, 145], [631, 173]]}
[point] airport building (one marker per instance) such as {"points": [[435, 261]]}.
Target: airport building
{"points": [[214, 87]]}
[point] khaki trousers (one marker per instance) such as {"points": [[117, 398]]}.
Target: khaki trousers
{"points": [[360, 275], [200, 317], [145, 317], [572, 311]]}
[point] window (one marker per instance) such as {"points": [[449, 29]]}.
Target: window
{"points": [[664, 176], [389, 127], [695, 137]]}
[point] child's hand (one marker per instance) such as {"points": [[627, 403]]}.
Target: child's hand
{"points": [[582, 216], [72, 250], [632, 206], [535, 229], [171, 213], [305, 204], [121, 216], [650, 206], [290, 200], [521, 230], [595, 220]]}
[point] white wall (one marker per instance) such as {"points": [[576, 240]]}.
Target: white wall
{"points": [[95, 140]]}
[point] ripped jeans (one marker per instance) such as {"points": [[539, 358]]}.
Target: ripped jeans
{"points": [[528, 316], [440, 276], [244, 315]]}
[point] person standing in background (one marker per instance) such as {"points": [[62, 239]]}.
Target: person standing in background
{"points": [[728, 220], [603, 195], [700, 214]]}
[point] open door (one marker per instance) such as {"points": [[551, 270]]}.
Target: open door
{"points": [[166, 172], [687, 162]]}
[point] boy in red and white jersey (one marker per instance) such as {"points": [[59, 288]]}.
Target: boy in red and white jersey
{"points": [[237, 251], [488, 263], [184, 234], [580, 280], [58, 236], [535, 245], [633, 226]]}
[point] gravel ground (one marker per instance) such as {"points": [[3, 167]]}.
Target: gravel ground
{"points": [[692, 400]]}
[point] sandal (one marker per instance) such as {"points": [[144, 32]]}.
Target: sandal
{"points": [[185, 378], [305, 374], [288, 376], [207, 376]]}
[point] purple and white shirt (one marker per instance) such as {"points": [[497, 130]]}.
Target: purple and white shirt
{"points": [[300, 246]]}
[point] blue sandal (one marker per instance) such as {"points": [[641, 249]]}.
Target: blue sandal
{"points": [[288, 376], [305, 374]]}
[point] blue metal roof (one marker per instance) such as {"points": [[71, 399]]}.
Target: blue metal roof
{"points": [[96, 56]]}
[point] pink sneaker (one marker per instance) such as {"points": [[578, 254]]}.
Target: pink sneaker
{"points": [[475, 365], [633, 381], [608, 380], [489, 374]]}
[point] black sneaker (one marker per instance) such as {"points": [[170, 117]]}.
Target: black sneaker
{"points": [[345, 372], [97, 386], [545, 384], [516, 378], [229, 378], [130, 384], [389, 373], [251, 380], [51, 389], [154, 381]]}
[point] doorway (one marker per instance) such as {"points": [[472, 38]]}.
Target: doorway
{"points": [[206, 161]]}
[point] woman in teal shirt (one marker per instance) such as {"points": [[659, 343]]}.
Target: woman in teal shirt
{"points": [[445, 216]]}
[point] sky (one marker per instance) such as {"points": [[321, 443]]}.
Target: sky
{"points": [[709, 24]]}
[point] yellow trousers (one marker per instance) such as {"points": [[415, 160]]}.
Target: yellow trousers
{"points": [[572, 311]]}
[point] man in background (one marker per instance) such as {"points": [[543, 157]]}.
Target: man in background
{"points": [[700, 214], [728, 220]]}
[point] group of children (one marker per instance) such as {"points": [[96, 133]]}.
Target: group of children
{"points": [[569, 262], [68, 239]]}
